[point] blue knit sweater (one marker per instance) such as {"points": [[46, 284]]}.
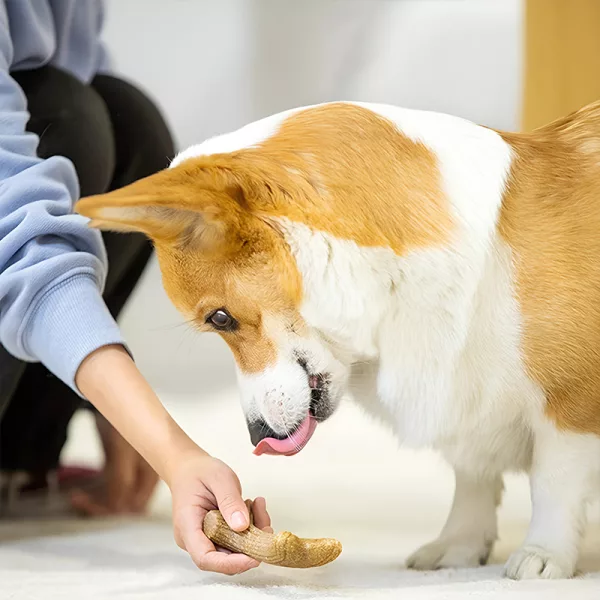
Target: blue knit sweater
{"points": [[52, 267]]}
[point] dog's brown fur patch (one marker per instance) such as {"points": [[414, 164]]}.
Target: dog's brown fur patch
{"points": [[551, 219], [344, 170]]}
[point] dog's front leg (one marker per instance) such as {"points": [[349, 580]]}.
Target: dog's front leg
{"points": [[563, 474], [471, 529]]}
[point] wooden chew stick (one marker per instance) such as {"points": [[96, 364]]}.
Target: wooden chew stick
{"points": [[283, 549]]}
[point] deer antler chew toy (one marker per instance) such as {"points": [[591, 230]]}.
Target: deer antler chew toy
{"points": [[283, 549]]}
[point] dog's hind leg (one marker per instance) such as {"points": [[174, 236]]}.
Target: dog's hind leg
{"points": [[564, 475]]}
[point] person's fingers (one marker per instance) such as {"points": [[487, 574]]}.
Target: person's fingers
{"points": [[262, 520], [228, 564], [202, 550], [227, 491], [248, 503], [147, 480]]}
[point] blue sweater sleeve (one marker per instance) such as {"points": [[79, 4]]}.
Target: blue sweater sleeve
{"points": [[52, 267]]}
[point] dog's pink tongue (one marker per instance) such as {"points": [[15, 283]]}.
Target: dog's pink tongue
{"points": [[290, 445]]}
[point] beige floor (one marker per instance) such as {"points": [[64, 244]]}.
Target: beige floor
{"points": [[350, 482]]}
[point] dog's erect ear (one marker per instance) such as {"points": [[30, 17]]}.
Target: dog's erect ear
{"points": [[176, 206]]}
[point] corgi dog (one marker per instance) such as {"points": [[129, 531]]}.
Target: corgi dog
{"points": [[444, 274]]}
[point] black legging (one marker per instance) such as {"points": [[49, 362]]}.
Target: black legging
{"points": [[114, 135]]}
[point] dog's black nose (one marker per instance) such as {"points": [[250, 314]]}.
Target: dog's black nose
{"points": [[259, 430]]}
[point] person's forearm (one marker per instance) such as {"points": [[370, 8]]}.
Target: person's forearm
{"points": [[110, 380]]}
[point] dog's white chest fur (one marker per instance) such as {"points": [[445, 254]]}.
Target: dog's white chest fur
{"points": [[435, 344]]}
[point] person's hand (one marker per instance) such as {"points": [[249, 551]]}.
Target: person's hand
{"points": [[128, 480], [109, 379], [199, 484]]}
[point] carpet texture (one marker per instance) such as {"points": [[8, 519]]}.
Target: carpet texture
{"points": [[351, 482]]}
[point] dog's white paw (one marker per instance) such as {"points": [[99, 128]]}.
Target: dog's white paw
{"points": [[450, 553], [533, 562]]}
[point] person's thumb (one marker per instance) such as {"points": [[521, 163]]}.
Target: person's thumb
{"points": [[228, 495]]}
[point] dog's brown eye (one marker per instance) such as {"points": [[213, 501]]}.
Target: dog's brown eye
{"points": [[222, 320]]}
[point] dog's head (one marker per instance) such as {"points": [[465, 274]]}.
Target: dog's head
{"points": [[230, 271], [221, 223]]}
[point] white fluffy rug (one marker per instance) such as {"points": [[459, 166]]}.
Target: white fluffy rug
{"points": [[350, 482]]}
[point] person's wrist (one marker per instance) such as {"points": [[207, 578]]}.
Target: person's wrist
{"points": [[183, 453]]}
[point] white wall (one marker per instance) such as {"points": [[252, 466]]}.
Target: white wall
{"points": [[214, 65]]}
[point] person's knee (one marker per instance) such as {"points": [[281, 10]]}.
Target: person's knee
{"points": [[71, 120], [143, 141]]}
